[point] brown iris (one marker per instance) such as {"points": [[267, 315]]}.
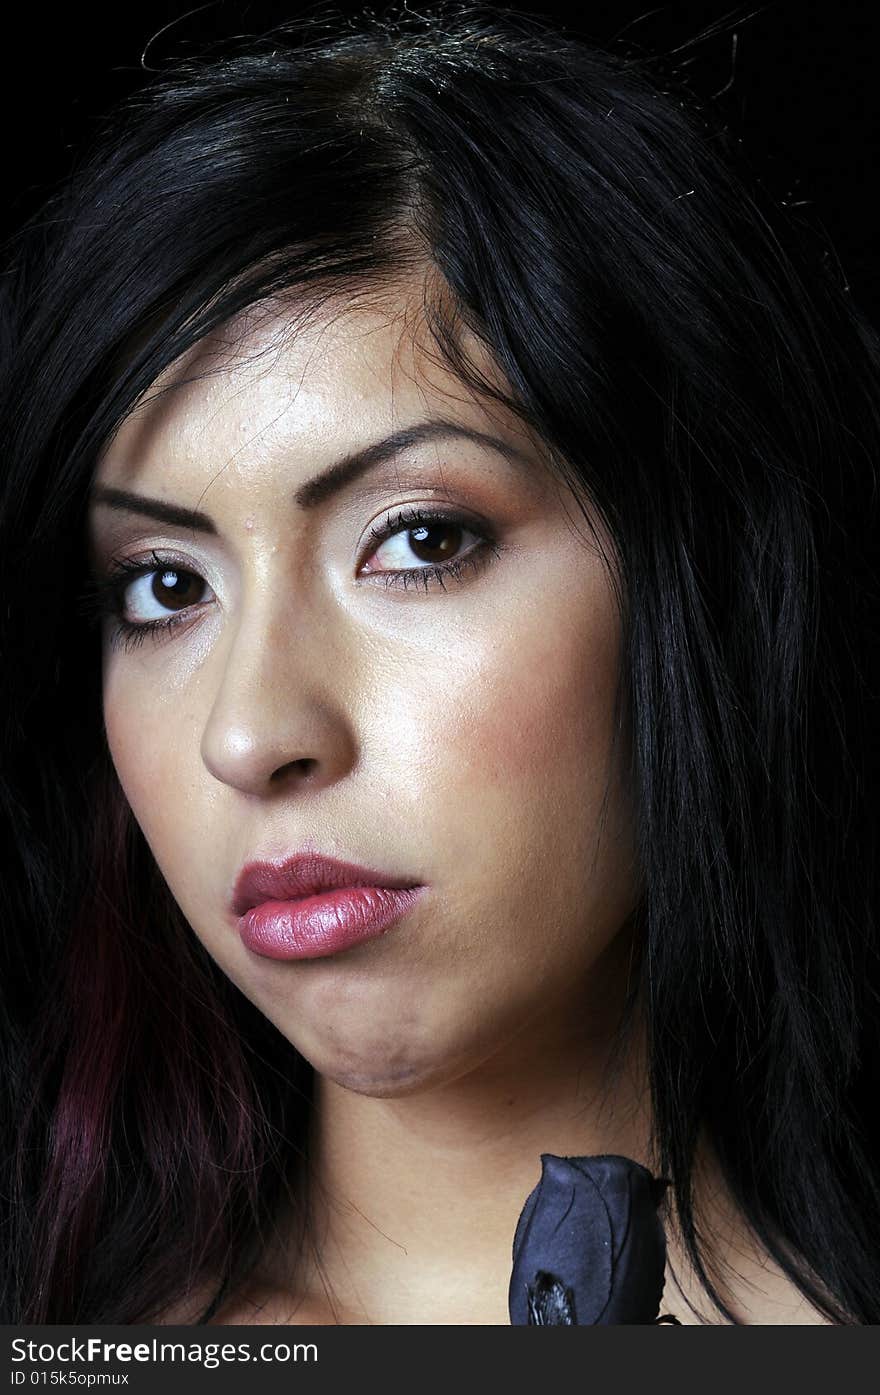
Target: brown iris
{"points": [[170, 587], [422, 538]]}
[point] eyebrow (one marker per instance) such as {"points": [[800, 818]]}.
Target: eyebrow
{"points": [[322, 487]]}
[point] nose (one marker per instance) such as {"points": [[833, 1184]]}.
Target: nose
{"points": [[281, 704]]}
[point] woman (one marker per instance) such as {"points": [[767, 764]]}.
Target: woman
{"points": [[428, 450]]}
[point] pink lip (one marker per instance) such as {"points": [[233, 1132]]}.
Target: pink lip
{"points": [[317, 926], [309, 906]]}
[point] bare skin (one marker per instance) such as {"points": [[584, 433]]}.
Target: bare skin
{"points": [[460, 734]]}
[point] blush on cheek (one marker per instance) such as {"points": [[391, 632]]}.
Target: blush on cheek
{"points": [[549, 714]]}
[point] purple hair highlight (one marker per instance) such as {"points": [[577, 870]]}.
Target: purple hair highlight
{"points": [[157, 1136]]}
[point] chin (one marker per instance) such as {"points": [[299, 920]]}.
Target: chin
{"points": [[384, 1074], [381, 1086]]}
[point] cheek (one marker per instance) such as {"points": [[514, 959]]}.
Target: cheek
{"points": [[146, 742], [512, 768], [535, 719]]}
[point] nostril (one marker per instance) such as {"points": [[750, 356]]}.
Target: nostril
{"points": [[302, 766]]}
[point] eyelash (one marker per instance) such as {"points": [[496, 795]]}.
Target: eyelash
{"points": [[105, 595]]}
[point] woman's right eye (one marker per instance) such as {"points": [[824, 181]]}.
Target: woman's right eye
{"points": [[130, 587], [167, 586]]}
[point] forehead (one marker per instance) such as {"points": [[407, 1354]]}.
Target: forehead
{"points": [[315, 376]]}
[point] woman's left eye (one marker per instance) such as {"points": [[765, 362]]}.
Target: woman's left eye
{"points": [[434, 539]]}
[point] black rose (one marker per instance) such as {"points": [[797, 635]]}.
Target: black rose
{"points": [[589, 1246]]}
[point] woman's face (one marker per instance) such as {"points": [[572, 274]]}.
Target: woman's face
{"points": [[456, 733]]}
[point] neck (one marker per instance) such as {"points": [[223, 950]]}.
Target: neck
{"points": [[415, 1198]]}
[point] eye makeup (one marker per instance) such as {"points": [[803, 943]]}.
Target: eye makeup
{"points": [[105, 595]]}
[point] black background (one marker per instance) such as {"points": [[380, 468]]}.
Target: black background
{"points": [[801, 89]]}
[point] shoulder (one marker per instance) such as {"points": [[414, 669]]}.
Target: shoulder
{"points": [[752, 1284], [185, 1311], [258, 1306]]}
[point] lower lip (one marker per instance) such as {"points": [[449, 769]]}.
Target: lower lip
{"points": [[317, 926]]}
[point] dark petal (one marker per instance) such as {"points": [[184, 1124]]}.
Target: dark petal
{"points": [[590, 1226], [550, 1304]]}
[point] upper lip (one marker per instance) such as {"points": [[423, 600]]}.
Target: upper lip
{"points": [[303, 874]]}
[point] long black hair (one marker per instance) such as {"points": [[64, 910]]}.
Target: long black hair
{"points": [[701, 375]]}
